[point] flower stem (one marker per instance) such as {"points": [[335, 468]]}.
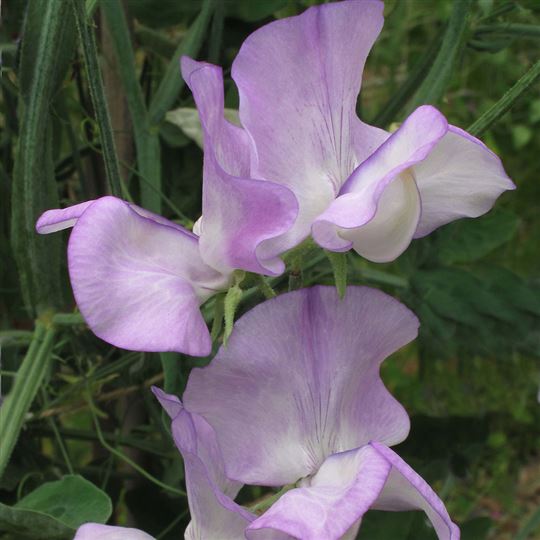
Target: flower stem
{"points": [[506, 102], [27, 382]]}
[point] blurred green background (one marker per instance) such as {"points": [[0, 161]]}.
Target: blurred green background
{"points": [[470, 382]]}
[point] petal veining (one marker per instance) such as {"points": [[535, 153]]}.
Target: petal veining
{"points": [[305, 372], [298, 80]]}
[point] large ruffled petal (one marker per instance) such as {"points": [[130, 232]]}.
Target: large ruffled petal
{"points": [[460, 178], [304, 369], [139, 282], [378, 208], [331, 504], [298, 80], [406, 490], [96, 531], [240, 214]]}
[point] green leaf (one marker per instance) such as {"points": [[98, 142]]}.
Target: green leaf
{"points": [[172, 82], [71, 500], [469, 240], [32, 524], [47, 48], [504, 104], [434, 85], [56, 509]]}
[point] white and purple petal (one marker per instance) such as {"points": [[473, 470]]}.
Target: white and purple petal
{"points": [[378, 208], [298, 80], [139, 282], [407, 490], [305, 372], [330, 505], [214, 514], [60, 219], [460, 178], [331, 502], [240, 214]]}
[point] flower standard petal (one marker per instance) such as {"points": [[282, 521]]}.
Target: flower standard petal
{"points": [[305, 372], [407, 490], [298, 80], [138, 282], [379, 206], [460, 178], [240, 214], [96, 531]]}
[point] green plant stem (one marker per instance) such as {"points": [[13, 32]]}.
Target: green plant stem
{"points": [[509, 29], [146, 139], [27, 383], [265, 287], [506, 102], [172, 84], [97, 93], [125, 458], [435, 83]]}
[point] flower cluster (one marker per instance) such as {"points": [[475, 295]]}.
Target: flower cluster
{"points": [[295, 400], [301, 164]]}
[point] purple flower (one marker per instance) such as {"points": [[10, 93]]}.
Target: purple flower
{"points": [[139, 279], [357, 186], [296, 399]]}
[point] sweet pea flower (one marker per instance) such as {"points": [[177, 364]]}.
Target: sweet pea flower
{"points": [[358, 187], [296, 399], [139, 278]]}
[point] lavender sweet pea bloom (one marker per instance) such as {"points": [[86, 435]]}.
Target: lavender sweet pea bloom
{"points": [[139, 279], [357, 186], [296, 399]]}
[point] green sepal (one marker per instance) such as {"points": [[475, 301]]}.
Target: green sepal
{"points": [[232, 299], [339, 267]]}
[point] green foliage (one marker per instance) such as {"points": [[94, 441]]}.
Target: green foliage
{"points": [[45, 56], [55, 509]]}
